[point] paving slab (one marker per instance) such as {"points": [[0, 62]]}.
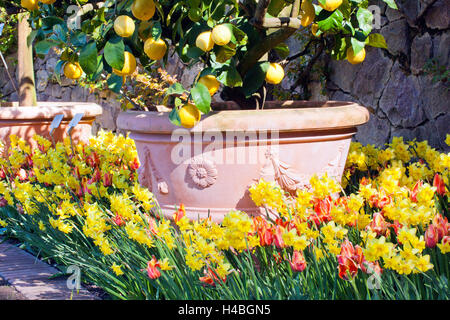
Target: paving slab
{"points": [[29, 276]]}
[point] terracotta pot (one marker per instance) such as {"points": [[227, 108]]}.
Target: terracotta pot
{"points": [[211, 176], [25, 122]]}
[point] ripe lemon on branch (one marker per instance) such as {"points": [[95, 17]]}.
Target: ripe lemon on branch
{"points": [[307, 14], [275, 73], [205, 41], [221, 35], [72, 70], [331, 5], [211, 83], [124, 26], [143, 9], [129, 65], [29, 4], [48, 1], [356, 58], [189, 115], [155, 49]]}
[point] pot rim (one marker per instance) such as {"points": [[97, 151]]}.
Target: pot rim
{"points": [[48, 110], [314, 116]]}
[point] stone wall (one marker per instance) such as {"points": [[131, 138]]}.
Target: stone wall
{"points": [[393, 83]]}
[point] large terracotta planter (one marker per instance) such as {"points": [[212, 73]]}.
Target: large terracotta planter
{"points": [[25, 122], [288, 144]]}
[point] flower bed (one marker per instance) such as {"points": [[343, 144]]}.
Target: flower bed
{"points": [[385, 237]]}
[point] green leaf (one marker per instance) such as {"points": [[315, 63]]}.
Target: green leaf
{"points": [[88, 58], [201, 97], [357, 45], [176, 88], [58, 69], [282, 50], [365, 19], [391, 4], [174, 117], [330, 21], [99, 69], [115, 82], [156, 30], [339, 51], [254, 78], [224, 53], [44, 46], [114, 53], [230, 77], [78, 39], [376, 40], [49, 22]]}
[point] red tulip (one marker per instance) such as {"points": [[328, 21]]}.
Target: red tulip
{"points": [[278, 237], [378, 224], [298, 262], [180, 213], [415, 190], [118, 220], [107, 179], [152, 269], [211, 278], [431, 236], [438, 182], [264, 231], [442, 226]]}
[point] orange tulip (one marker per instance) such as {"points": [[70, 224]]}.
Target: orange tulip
{"points": [[180, 213], [438, 182], [152, 269], [431, 236], [298, 262]]}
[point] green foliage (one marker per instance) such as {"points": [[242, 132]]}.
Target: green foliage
{"points": [[8, 38], [180, 22]]}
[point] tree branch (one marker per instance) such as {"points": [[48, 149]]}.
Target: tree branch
{"points": [[254, 54], [260, 12]]}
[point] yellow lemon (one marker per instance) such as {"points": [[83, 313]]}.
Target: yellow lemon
{"points": [[144, 25], [29, 4], [48, 1], [221, 35], [314, 29], [331, 5], [129, 65], [72, 70], [155, 50], [211, 83], [307, 13], [143, 9], [275, 73], [356, 58], [124, 26], [189, 115], [204, 41]]}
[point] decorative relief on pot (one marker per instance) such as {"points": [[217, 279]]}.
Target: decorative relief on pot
{"points": [[334, 167], [145, 172], [275, 170], [203, 171]]}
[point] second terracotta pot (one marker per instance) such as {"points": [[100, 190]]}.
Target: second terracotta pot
{"points": [[25, 122]]}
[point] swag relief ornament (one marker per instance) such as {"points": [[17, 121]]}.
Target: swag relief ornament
{"points": [[203, 171]]}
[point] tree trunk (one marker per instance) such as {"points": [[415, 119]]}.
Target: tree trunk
{"points": [[27, 89]]}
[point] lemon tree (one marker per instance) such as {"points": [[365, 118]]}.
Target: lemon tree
{"points": [[240, 44]]}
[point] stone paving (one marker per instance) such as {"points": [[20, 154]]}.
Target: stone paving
{"points": [[29, 276]]}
